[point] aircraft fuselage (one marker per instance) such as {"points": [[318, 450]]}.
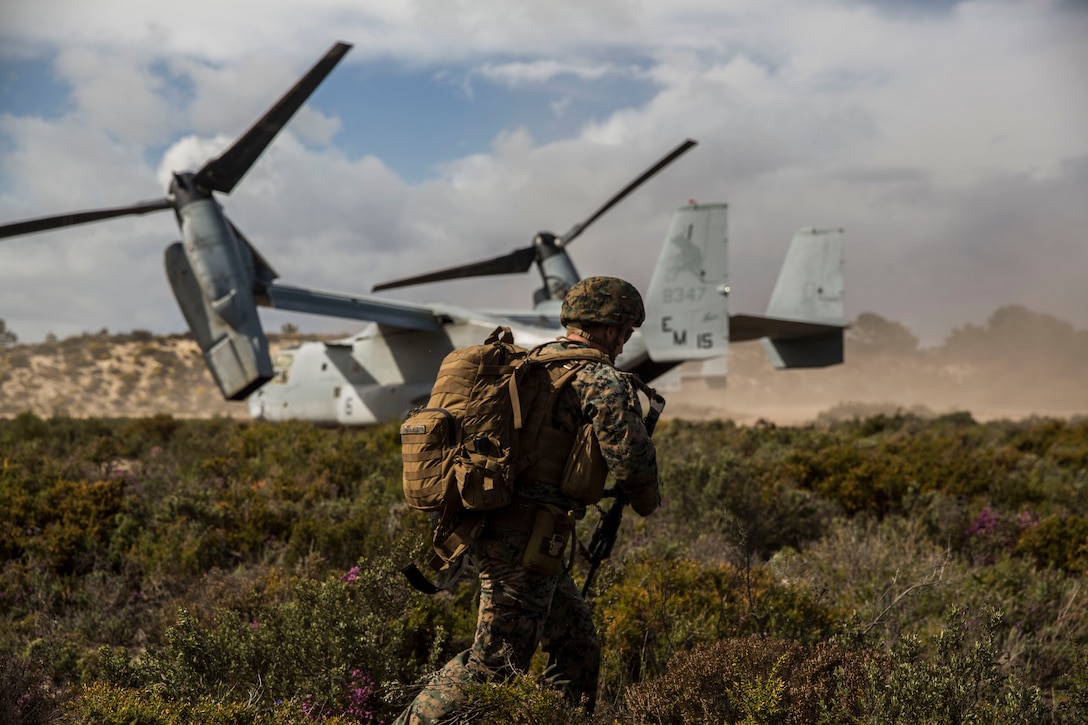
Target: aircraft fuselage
{"points": [[380, 374]]}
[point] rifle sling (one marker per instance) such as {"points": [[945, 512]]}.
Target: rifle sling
{"points": [[418, 579]]}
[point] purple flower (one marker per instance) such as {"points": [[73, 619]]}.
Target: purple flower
{"points": [[351, 575], [1026, 520], [360, 688], [985, 523]]}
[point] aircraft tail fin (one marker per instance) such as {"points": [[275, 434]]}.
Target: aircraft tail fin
{"points": [[687, 305], [810, 283], [804, 324]]}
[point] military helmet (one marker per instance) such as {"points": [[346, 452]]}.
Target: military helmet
{"points": [[604, 300]]}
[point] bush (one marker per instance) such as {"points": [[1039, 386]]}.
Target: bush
{"points": [[521, 700], [323, 644], [103, 704], [655, 608], [25, 696], [768, 536], [755, 679], [1058, 541], [960, 680]]}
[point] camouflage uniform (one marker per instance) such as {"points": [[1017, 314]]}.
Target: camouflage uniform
{"points": [[521, 609]]}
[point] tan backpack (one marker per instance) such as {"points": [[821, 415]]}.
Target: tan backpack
{"points": [[461, 452], [463, 443]]}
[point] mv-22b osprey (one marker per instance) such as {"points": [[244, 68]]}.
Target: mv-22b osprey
{"points": [[219, 279]]}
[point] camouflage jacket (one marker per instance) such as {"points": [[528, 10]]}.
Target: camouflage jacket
{"points": [[603, 397]]}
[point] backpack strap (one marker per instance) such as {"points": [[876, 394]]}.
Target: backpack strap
{"points": [[561, 367], [515, 402]]}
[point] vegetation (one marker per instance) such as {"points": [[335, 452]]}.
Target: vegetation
{"points": [[880, 569], [7, 337]]}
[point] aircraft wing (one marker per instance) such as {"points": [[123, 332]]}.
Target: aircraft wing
{"points": [[791, 343], [753, 327], [384, 312]]}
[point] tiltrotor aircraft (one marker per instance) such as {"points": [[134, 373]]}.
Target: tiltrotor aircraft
{"points": [[219, 279]]}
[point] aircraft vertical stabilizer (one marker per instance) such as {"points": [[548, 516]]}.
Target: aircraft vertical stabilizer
{"points": [[804, 324], [687, 305], [810, 283]]}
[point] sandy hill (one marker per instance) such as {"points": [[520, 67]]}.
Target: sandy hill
{"points": [[1018, 365], [101, 375]]}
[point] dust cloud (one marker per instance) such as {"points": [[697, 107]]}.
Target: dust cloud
{"points": [[1018, 365]]}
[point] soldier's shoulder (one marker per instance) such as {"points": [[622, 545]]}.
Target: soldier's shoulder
{"points": [[601, 375]]}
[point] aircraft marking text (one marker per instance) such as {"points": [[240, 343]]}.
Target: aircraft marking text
{"points": [[703, 341], [675, 295]]}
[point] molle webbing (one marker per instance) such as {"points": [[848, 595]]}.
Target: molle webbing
{"points": [[458, 376]]}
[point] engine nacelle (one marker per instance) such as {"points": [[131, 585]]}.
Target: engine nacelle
{"points": [[236, 351]]}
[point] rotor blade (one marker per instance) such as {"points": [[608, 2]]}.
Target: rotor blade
{"points": [[516, 262], [42, 224], [574, 232], [224, 172]]}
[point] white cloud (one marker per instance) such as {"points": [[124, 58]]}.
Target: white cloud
{"points": [[912, 130], [116, 92], [517, 74]]}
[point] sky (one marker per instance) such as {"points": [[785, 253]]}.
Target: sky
{"points": [[949, 140]]}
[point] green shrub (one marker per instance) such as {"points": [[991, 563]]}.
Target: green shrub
{"points": [[1058, 541], [317, 643], [521, 700], [102, 704], [959, 681], [108, 527], [755, 679], [744, 500], [25, 695], [656, 608]]}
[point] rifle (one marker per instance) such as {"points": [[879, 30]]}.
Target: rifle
{"points": [[608, 527]]}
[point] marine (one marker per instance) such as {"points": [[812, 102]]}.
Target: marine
{"points": [[527, 595]]}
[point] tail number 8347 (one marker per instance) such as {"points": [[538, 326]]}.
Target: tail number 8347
{"points": [[676, 295]]}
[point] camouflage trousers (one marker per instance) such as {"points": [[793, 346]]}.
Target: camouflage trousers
{"points": [[519, 610]]}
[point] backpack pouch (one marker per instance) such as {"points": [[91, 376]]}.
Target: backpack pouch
{"points": [[481, 482], [425, 437], [586, 471]]}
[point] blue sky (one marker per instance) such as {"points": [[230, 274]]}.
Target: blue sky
{"points": [[946, 138]]}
